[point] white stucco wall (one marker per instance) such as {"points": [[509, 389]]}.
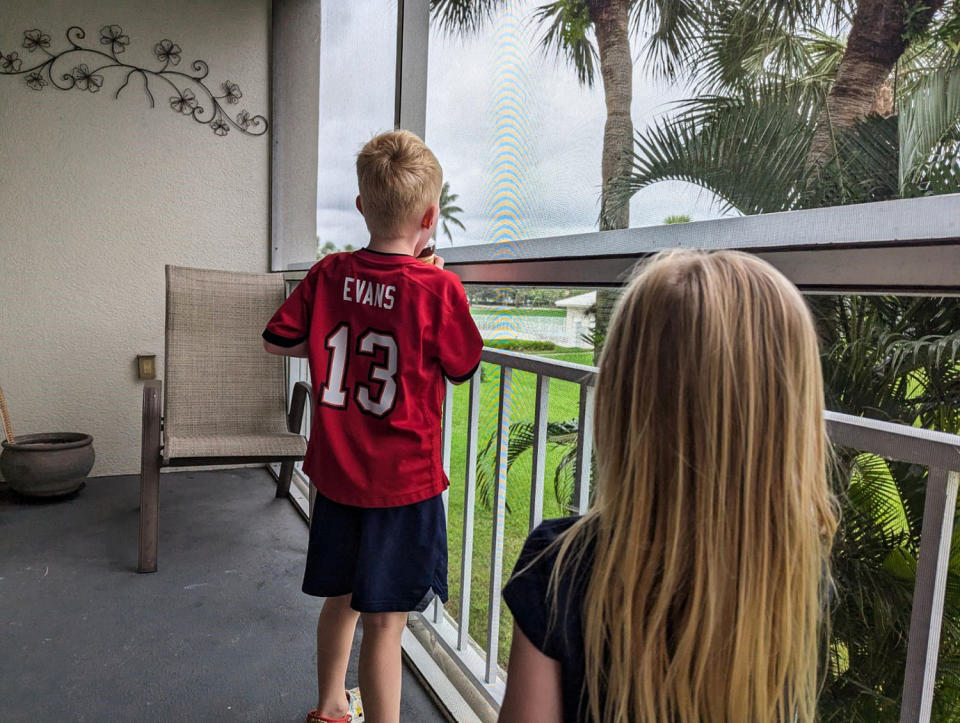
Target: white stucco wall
{"points": [[97, 194]]}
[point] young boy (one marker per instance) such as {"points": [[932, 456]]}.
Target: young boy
{"points": [[381, 330]]}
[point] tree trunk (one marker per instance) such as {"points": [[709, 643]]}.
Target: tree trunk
{"points": [[611, 23], [877, 39]]}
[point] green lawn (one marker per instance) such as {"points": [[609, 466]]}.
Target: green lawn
{"points": [[519, 311], [564, 402]]}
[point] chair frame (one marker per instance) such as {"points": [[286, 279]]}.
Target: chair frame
{"points": [[151, 462]]}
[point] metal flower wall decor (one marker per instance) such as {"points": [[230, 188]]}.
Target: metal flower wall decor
{"points": [[82, 68]]}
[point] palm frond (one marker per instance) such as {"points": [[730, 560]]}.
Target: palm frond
{"points": [[933, 350], [446, 228], [448, 211], [563, 479], [521, 438], [799, 13], [874, 494], [567, 33], [930, 125], [873, 568], [749, 151], [673, 29], [742, 44], [854, 357], [463, 17], [825, 53], [864, 168]]}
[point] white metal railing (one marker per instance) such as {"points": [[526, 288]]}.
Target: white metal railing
{"points": [[479, 662], [938, 451]]}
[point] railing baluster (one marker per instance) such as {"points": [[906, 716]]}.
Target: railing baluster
{"points": [[929, 590], [309, 410], [447, 424], [289, 373], [304, 375], [469, 507], [581, 493], [538, 472], [446, 441], [499, 519]]}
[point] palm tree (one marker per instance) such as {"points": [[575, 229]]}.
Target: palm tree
{"points": [[748, 136], [567, 24], [448, 212], [718, 43], [880, 33], [678, 35]]}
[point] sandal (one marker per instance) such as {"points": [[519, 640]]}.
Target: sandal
{"points": [[354, 714]]}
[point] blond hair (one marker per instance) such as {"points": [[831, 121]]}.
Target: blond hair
{"points": [[399, 177], [712, 522]]}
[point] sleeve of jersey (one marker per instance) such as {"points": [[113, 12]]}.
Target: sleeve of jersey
{"points": [[290, 324], [460, 340]]}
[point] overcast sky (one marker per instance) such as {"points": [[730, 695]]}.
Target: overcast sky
{"points": [[468, 90]]}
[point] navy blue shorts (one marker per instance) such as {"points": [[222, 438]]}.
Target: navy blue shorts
{"points": [[392, 559]]}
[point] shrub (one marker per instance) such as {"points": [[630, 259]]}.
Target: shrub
{"points": [[521, 344]]}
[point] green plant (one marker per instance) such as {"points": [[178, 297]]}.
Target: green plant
{"points": [[449, 211], [562, 435], [521, 344], [893, 358], [329, 247]]}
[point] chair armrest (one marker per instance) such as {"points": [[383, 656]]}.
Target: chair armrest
{"points": [[301, 393]]}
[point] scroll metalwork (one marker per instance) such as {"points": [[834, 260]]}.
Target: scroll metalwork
{"points": [[84, 68]]}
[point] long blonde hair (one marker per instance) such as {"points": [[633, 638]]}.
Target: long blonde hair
{"points": [[712, 523]]}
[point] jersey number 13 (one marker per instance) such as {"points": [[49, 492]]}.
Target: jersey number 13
{"points": [[333, 393]]}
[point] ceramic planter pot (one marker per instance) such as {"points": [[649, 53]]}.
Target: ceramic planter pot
{"points": [[47, 465]]}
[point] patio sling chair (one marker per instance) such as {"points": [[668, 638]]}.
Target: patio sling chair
{"points": [[224, 399]]}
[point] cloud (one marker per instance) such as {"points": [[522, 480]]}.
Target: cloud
{"points": [[562, 125]]}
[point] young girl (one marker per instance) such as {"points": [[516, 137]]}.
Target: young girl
{"points": [[693, 590]]}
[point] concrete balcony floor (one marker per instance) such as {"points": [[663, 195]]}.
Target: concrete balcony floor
{"points": [[220, 633]]}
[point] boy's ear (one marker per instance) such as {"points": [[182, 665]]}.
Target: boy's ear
{"points": [[359, 205], [430, 216]]}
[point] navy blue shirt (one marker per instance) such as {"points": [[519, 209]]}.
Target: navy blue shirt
{"points": [[560, 637]]}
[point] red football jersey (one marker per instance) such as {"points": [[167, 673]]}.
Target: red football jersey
{"points": [[383, 331]]}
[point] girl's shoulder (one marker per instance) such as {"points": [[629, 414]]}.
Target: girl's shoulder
{"points": [[529, 597], [547, 532], [540, 551]]}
